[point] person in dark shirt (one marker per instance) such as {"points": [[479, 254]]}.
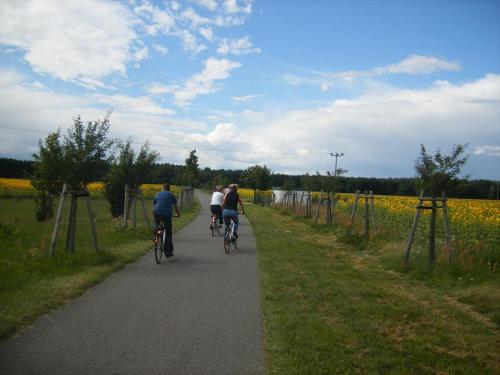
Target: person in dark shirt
{"points": [[230, 207], [162, 210]]}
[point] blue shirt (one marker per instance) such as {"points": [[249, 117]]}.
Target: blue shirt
{"points": [[163, 203]]}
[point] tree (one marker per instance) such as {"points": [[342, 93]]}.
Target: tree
{"points": [[128, 169], [258, 177], [47, 178], [191, 173], [439, 172], [80, 157]]}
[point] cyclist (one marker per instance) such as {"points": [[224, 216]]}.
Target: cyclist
{"points": [[215, 204], [162, 210], [230, 207]]}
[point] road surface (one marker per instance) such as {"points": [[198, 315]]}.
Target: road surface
{"points": [[196, 313]]}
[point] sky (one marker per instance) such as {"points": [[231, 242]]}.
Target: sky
{"points": [[283, 83]]}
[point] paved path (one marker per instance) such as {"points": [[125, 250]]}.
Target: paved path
{"points": [[197, 313]]}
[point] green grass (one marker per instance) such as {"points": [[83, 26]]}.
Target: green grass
{"points": [[31, 283], [332, 307]]}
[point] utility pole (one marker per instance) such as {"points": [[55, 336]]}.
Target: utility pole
{"points": [[336, 157]]}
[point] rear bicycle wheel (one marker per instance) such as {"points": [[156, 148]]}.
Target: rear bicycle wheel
{"points": [[159, 247], [213, 227], [227, 239]]}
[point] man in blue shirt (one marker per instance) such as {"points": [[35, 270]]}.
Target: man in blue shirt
{"points": [[162, 210]]}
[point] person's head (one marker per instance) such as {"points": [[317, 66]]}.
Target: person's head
{"points": [[233, 187], [166, 186], [218, 188]]}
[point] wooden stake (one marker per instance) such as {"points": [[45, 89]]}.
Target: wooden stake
{"points": [[55, 233], [300, 204], [329, 209], [366, 218], [334, 206], [145, 213], [372, 201], [319, 204], [414, 228], [92, 222], [447, 234], [354, 208], [134, 211], [72, 225], [125, 207], [432, 234]]}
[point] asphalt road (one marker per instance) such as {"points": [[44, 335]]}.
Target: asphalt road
{"points": [[196, 313]]}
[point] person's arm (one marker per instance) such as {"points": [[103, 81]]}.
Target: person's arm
{"points": [[241, 205], [176, 207], [223, 201]]}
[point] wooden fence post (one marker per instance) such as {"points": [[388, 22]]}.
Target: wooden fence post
{"points": [[447, 235], [134, 211], [125, 207], [329, 209], [70, 239], [58, 221], [411, 237], [334, 207], [354, 207], [319, 204], [92, 222], [146, 217], [372, 201], [432, 233], [366, 218]]}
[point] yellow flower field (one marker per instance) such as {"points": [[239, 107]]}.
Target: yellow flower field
{"points": [[18, 188]]}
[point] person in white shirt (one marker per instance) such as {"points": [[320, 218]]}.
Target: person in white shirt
{"points": [[215, 204]]}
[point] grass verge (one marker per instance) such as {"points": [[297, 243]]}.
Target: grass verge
{"points": [[31, 283], [331, 308]]}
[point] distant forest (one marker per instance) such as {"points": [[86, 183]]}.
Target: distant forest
{"points": [[164, 172]]}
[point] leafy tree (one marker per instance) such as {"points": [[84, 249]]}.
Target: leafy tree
{"points": [[439, 172], [80, 157], [257, 177], [128, 169], [191, 173]]}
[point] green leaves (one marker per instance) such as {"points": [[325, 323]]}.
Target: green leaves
{"points": [[437, 173]]}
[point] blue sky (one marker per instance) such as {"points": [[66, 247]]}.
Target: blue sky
{"points": [[276, 82]]}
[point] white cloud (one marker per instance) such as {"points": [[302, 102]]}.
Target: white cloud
{"points": [[190, 43], [207, 33], [412, 65], [233, 6], [28, 113], [418, 64], [205, 81], [245, 98], [141, 104], [209, 4], [487, 150], [157, 89], [240, 46], [160, 20], [162, 49], [380, 131], [70, 40], [194, 18]]}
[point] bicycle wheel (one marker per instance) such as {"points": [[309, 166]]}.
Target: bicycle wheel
{"points": [[227, 239], [158, 247], [213, 226]]}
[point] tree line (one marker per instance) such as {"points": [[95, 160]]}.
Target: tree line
{"points": [[87, 154], [207, 178]]}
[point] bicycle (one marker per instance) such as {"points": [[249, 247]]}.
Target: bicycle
{"points": [[160, 241], [229, 238], [215, 227]]}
